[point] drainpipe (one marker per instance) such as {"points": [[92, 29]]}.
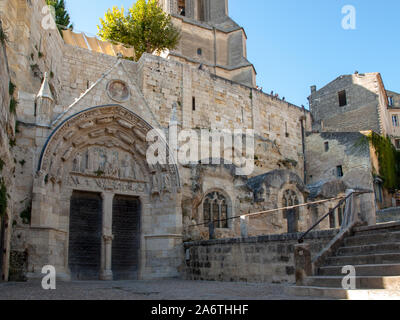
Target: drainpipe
{"points": [[303, 120], [215, 50]]}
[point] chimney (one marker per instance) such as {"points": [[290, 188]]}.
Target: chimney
{"points": [[313, 89]]}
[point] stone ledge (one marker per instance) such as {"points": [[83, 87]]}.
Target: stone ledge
{"points": [[265, 239]]}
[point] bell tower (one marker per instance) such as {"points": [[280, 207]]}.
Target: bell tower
{"points": [[211, 39], [200, 10]]}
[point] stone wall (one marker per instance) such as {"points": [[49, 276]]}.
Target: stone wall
{"points": [[7, 162], [260, 259], [356, 158], [388, 215], [347, 149]]}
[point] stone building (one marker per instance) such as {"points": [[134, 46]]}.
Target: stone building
{"points": [[394, 115], [83, 196], [343, 112]]}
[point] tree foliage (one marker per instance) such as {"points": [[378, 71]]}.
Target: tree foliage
{"points": [[62, 17], [145, 27]]}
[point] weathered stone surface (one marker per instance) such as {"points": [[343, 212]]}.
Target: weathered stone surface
{"points": [[258, 259]]}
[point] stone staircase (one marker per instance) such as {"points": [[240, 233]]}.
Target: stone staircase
{"points": [[374, 251]]}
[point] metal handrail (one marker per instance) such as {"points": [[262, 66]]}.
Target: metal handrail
{"points": [[357, 193]]}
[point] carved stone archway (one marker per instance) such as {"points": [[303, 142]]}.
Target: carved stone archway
{"points": [[100, 150]]}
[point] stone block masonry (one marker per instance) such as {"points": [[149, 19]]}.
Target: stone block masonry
{"points": [[260, 259]]}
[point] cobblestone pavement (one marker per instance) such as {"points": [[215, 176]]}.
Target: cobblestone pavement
{"points": [[144, 290]]}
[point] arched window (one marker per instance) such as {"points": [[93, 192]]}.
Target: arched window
{"points": [[291, 215], [215, 207]]}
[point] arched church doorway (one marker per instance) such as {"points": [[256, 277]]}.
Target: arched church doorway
{"points": [[126, 241], [291, 215], [85, 232]]}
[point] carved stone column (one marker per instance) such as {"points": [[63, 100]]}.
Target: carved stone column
{"points": [[106, 247]]}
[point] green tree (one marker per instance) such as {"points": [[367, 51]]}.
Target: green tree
{"points": [[62, 17], [146, 28]]}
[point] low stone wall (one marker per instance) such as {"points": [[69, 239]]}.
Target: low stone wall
{"points": [[388, 215], [259, 259]]}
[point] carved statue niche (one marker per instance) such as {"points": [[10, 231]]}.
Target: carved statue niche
{"points": [[167, 183], [125, 170], [156, 183], [137, 171], [76, 163]]}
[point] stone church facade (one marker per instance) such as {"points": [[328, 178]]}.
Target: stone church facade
{"points": [[81, 195]]}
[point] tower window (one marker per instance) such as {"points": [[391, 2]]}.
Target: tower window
{"points": [[342, 98], [199, 51], [194, 103], [326, 146], [339, 171]]}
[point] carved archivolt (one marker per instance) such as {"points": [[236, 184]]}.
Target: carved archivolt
{"points": [[105, 148]]}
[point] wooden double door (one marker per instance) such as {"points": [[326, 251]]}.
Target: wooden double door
{"points": [[86, 236]]}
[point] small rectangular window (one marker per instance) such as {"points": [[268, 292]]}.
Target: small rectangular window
{"points": [[395, 120], [326, 146], [194, 103], [332, 221], [339, 171], [286, 130], [342, 98], [390, 101]]}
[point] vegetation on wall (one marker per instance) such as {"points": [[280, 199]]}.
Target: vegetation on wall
{"points": [[389, 160], [3, 35], [12, 143], [146, 28], [13, 105], [11, 88], [3, 198], [26, 215]]}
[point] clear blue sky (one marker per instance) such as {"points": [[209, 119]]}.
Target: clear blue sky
{"points": [[295, 44]]}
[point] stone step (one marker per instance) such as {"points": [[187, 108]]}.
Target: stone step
{"points": [[390, 283], [378, 228], [375, 238], [384, 270], [369, 249], [335, 293], [384, 258]]}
